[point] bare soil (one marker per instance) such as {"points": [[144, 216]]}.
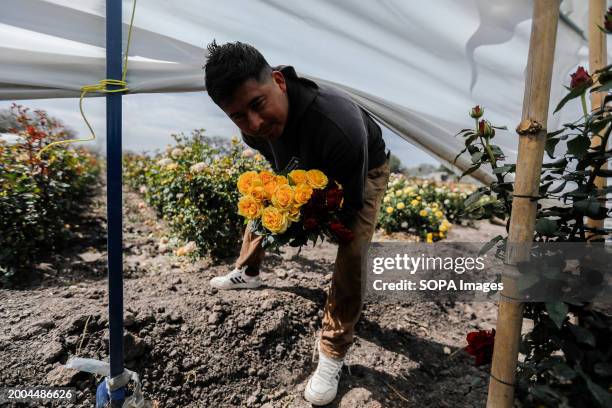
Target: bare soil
{"points": [[196, 347]]}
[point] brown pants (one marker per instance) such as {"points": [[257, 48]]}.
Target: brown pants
{"points": [[344, 298]]}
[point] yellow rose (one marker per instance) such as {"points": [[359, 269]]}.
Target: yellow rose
{"points": [[389, 210], [423, 213], [400, 206], [429, 237], [414, 203], [249, 207], [302, 194], [298, 176], [398, 193], [316, 179], [266, 176], [443, 227], [280, 180], [270, 187], [434, 206], [259, 193], [274, 220], [441, 235], [246, 181], [283, 197], [439, 214], [386, 199], [294, 214]]}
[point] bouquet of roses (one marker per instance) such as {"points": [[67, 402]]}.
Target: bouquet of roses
{"points": [[294, 209]]}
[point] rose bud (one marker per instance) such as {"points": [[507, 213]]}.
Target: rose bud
{"points": [[580, 78], [608, 20], [485, 129], [476, 112]]}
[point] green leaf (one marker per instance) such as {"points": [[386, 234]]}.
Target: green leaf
{"points": [[603, 369], [563, 371], [561, 163], [545, 226], [472, 198], [557, 312], [558, 189], [579, 146], [574, 93], [599, 393], [550, 147], [470, 139], [470, 170], [584, 336], [545, 393], [486, 247], [476, 157], [505, 168], [591, 208]]}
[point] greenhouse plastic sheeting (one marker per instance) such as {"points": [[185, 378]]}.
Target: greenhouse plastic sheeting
{"points": [[417, 66]]}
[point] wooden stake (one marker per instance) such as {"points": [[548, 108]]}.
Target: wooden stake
{"points": [[522, 222], [598, 58]]}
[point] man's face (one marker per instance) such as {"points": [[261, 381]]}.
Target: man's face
{"points": [[260, 109]]}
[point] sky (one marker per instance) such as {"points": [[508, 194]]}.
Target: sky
{"points": [[150, 119]]}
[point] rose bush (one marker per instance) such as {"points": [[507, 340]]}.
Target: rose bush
{"points": [[423, 207], [192, 185], [39, 197]]}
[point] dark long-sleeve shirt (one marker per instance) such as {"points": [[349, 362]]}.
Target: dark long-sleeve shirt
{"points": [[325, 130]]}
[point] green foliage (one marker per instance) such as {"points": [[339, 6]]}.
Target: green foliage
{"points": [[193, 187], [566, 364], [423, 207], [39, 198]]}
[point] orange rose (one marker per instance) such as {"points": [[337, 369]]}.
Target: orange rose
{"points": [[266, 176], [297, 176], [283, 197], [249, 207], [302, 193], [274, 220], [247, 180], [259, 193]]}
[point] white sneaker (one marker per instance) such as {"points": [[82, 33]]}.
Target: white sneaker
{"points": [[322, 387], [236, 279]]}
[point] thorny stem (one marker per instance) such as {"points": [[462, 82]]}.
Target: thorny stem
{"points": [[584, 106]]}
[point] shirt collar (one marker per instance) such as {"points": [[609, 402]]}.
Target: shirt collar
{"points": [[300, 91]]}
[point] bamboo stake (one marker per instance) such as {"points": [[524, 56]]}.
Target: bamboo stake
{"points": [[532, 130], [598, 58]]}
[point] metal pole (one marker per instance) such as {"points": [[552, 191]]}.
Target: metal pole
{"points": [[114, 196]]}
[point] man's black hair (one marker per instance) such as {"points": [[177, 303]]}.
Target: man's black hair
{"points": [[229, 66]]}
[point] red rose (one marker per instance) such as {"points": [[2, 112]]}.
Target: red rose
{"points": [[317, 201], [343, 234], [476, 112], [608, 20], [310, 223], [485, 129], [480, 345], [580, 78], [334, 198]]}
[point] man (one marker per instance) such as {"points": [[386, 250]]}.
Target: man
{"points": [[296, 123]]}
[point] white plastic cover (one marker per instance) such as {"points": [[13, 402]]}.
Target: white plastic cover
{"points": [[417, 66]]}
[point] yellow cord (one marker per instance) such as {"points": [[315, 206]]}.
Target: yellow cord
{"points": [[101, 86]]}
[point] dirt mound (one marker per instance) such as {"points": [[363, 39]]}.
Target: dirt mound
{"points": [[196, 347]]}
